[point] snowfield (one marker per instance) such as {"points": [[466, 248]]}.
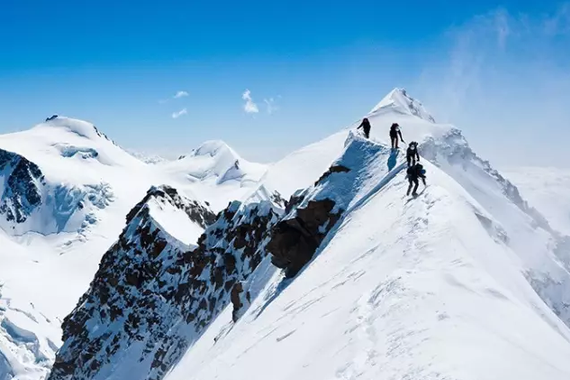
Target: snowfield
{"points": [[468, 281]]}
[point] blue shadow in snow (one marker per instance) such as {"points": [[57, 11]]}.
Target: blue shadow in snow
{"points": [[393, 159]]}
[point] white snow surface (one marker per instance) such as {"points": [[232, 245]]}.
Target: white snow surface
{"points": [[443, 286], [548, 190], [425, 288], [175, 222]]}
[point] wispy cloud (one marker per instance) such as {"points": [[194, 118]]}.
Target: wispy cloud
{"points": [[270, 105], [559, 22], [180, 94], [504, 75], [249, 106], [176, 115]]}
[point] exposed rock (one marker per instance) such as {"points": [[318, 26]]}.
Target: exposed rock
{"points": [[152, 297], [23, 181], [295, 240], [333, 169]]}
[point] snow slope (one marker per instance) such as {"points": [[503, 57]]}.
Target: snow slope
{"points": [[400, 288], [457, 284], [547, 189], [65, 189], [301, 168]]}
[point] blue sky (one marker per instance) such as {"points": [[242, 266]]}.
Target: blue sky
{"points": [[501, 72]]}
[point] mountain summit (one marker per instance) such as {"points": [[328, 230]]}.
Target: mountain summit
{"points": [[399, 101]]}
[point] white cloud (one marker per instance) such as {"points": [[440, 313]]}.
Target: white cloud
{"points": [[249, 106], [180, 94], [270, 105], [176, 115]]}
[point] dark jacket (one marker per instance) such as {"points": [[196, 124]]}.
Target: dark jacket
{"points": [[395, 131], [364, 125], [415, 172], [413, 152]]}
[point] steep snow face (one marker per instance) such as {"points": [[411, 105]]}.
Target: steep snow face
{"points": [[81, 171], [215, 173], [151, 298], [547, 190], [29, 203], [399, 288]]}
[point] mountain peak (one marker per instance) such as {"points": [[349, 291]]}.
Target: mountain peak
{"points": [[398, 100], [213, 148], [76, 126]]}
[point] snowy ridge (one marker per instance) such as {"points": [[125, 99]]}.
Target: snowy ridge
{"points": [[399, 288], [459, 283], [157, 297]]}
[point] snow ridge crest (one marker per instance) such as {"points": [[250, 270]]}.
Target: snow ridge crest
{"points": [[398, 100]]}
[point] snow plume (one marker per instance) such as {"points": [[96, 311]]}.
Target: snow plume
{"points": [[176, 115], [477, 83], [249, 106]]}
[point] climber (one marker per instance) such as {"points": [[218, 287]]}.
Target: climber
{"points": [[412, 154], [394, 133], [414, 173], [365, 125]]}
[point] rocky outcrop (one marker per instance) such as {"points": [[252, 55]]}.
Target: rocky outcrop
{"points": [[294, 240], [153, 298], [20, 184]]}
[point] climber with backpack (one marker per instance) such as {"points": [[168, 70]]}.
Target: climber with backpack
{"points": [[413, 174], [394, 134], [412, 155], [365, 125]]}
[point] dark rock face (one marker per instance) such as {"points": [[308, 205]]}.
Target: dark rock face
{"points": [[154, 299], [294, 240], [22, 186], [333, 169]]}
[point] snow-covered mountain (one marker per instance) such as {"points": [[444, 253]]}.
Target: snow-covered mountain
{"points": [[321, 267], [465, 282], [65, 189], [215, 173]]}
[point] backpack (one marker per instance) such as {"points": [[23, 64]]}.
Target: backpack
{"points": [[420, 169]]}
